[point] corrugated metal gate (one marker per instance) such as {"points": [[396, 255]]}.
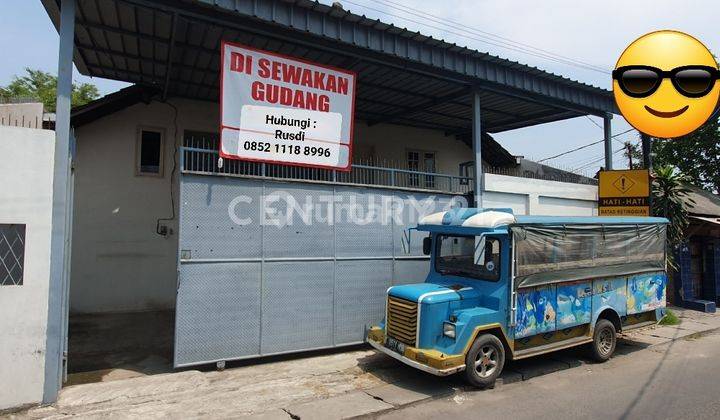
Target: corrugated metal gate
{"points": [[252, 289]]}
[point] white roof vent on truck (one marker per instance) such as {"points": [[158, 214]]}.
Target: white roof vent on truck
{"points": [[481, 219], [489, 219]]}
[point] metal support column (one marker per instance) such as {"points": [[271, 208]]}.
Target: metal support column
{"points": [[59, 239], [477, 149], [607, 128], [646, 151]]}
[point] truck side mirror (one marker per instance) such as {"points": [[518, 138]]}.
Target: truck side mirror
{"points": [[427, 245]]}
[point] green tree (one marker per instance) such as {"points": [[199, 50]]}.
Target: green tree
{"points": [[633, 153], [42, 86], [670, 200], [696, 155]]}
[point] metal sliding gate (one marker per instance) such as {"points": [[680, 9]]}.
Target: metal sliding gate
{"points": [[249, 285]]}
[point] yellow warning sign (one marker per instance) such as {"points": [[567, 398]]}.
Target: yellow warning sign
{"points": [[624, 193]]}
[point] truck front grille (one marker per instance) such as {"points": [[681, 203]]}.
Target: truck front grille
{"points": [[402, 320]]}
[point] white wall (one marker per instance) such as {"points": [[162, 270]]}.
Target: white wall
{"points": [[540, 197], [26, 198], [119, 263], [28, 115], [387, 142]]}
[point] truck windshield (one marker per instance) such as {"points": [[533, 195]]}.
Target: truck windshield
{"points": [[470, 256]]}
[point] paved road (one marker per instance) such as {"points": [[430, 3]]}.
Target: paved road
{"points": [[678, 380]]}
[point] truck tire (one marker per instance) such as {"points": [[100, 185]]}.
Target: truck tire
{"points": [[484, 361], [604, 341]]}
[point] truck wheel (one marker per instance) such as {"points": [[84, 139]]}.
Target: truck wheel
{"points": [[484, 361], [604, 341]]}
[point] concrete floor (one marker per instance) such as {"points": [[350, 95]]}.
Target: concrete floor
{"points": [[104, 347], [676, 380], [362, 382]]}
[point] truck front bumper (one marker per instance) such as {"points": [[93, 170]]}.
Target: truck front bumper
{"points": [[434, 362]]}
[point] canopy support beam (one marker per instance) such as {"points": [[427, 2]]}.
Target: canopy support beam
{"points": [[54, 357], [477, 149]]}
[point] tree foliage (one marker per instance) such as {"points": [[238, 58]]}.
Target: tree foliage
{"points": [[633, 153], [42, 86], [696, 155], [670, 200]]}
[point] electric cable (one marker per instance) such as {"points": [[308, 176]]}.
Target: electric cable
{"points": [[498, 38], [490, 42], [585, 167], [583, 146]]}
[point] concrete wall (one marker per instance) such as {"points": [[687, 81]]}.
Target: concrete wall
{"points": [[29, 115], [390, 143], [119, 263], [539, 197], [26, 171]]}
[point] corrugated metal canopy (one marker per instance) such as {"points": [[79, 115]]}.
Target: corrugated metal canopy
{"points": [[404, 77]]}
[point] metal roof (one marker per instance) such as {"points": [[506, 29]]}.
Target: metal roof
{"points": [[404, 77], [701, 202], [109, 104], [589, 220]]}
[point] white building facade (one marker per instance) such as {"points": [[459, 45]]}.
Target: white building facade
{"points": [[119, 261], [25, 231]]}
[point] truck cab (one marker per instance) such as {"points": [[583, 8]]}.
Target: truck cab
{"points": [[502, 287]]}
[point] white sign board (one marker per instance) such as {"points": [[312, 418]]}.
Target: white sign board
{"points": [[280, 109]]}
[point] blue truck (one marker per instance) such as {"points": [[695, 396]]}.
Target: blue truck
{"points": [[506, 287]]}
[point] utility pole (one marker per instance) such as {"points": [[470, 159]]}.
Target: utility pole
{"points": [[607, 128], [629, 148], [647, 151]]}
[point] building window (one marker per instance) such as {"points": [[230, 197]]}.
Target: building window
{"points": [[150, 146], [467, 170], [12, 254], [421, 161]]}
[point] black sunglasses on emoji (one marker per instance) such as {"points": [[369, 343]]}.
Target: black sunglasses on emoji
{"points": [[642, 81]]}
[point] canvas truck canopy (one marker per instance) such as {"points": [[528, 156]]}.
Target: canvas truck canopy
{"points": [[547, 254]]}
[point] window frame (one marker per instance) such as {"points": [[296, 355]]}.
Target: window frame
{"points": [[21, 230], [475, 277], [415, 179], [138, 151]]}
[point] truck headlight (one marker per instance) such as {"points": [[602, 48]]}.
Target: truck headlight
{"points": [[449, 330]]}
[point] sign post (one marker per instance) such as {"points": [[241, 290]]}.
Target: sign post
{"points": [[624, 193], [280, 109]]}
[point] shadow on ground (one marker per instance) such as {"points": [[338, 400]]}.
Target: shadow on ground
{"points": [[116, 346], [394, 372], [105, 347]]}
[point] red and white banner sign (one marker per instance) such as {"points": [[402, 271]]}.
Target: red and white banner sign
{"points": [[280, 109]]}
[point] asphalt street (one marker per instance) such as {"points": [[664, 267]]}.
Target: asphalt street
{"points": [[677, 380]]}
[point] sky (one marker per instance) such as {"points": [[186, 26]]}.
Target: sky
{"points": [[592, 33]]}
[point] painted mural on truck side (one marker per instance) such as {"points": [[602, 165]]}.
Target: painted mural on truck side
{"points": [[646, 292], [556, 307], [537, 310]]}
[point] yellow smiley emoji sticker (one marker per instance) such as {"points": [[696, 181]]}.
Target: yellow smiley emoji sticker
{"points": [[666, 84]]}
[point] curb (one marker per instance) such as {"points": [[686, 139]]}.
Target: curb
{"points": [[692, 335]]}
